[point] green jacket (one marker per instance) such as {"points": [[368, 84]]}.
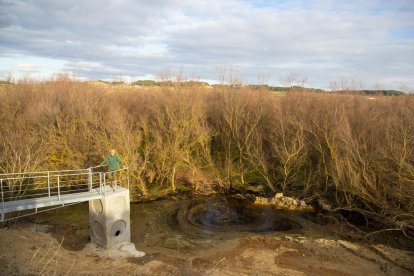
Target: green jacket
{"points": [[112, 162]]}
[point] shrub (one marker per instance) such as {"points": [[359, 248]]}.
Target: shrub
{"points": [[355, 152]]}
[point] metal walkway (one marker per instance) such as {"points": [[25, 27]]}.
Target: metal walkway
{"points": [[28, 193]]}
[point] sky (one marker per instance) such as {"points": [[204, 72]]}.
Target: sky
{"points": [[318, 43]]}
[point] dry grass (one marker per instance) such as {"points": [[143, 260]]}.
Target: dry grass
{"points": [[355, 152]]}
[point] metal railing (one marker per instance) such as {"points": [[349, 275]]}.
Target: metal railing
{"points": [[42, 184]]}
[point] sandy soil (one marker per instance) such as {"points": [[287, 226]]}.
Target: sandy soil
{"points": [[30, 249]]}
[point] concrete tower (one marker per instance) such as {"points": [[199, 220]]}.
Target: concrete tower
{"points": [[109, 219]]}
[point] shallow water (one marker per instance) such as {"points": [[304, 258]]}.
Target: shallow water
{"points": [[192, 227], [199, 224], [183, 227]]}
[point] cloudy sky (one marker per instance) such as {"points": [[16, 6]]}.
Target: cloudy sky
{"points": [[368, 41]]}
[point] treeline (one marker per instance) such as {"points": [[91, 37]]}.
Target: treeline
{"points": [[152, 83], [352, 152]]}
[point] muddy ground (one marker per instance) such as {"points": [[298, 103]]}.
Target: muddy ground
{"points": [[202, 238], [26, 250]]}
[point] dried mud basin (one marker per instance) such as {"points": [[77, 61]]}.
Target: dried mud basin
{"points": [[211, 236]]}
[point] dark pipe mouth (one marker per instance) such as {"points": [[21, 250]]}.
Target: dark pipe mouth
{"points": [[224, 215], [117, 233]]}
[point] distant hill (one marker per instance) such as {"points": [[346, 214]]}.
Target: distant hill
{"points": [[285, 88], [145, 83], [159, 83], [373, 92], [282, 89], [383, 92]]}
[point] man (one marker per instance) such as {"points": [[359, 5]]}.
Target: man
{"points": [[113, 161]]}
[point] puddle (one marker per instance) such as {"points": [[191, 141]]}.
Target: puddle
{"points": [[192, 227], [196, 225], [209, 216], [177, 227]]}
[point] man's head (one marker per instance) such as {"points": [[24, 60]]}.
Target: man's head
{"points": [[113, 152]]}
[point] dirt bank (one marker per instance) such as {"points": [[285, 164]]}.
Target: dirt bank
{"points": [[30, 248]]}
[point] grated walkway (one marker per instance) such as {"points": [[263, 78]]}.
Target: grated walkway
{"points": [[41, 202]]}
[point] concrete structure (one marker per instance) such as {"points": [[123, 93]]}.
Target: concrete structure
{"points": [[109, 219], [28, 193]]}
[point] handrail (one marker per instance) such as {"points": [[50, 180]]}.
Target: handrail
{"points": [[41, 172], [118, 170], [97, 166], [56, 185], [45, 176], [57, 171], [2, 201]]}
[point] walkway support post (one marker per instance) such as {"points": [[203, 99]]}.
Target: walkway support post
{"points": [[104, 184], [58, 184], [48, 183], [100, 183], [127, 171], [2, 200], [90, 179]]}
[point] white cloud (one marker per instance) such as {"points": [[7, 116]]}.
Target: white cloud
{"points": [[323, 40], [30, 66]]}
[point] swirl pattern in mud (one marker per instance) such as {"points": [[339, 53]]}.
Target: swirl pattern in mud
{"points": [[217, 215]]}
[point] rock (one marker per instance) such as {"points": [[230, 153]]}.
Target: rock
{"points": [[285, 203], [278, 195], [305, 207], [288, 238], [324, 205], [349, 245], [43, 228], [263, 200], [327, 243]]}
